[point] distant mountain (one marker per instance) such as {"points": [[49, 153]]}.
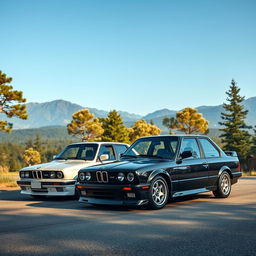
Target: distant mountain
{"points": [[211, 113], [59, 113]]}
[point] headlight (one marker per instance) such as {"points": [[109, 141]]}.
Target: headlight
{"points": [[81, 176], [52, 175], [22, 175], [130, 176], [120, 176], [88, 175], [26, 174], [60, 175]]}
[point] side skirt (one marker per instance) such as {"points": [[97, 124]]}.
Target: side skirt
{"points": [[191, 192]]}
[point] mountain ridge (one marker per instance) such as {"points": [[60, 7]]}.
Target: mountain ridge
{"points": [[59, 113]]}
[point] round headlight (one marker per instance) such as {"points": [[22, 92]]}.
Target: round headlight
{"points": [[120, 176], [82, 176], [22, 175], [26, 174], [52, 175], [130, 176], [88, 175], [60, 175]]}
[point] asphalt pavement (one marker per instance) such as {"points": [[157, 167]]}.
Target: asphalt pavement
{"points": [[195, 225]]}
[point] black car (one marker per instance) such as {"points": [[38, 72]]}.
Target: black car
{"points": [[156, 168]]}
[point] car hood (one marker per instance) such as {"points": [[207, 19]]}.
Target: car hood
{"points": [[132, 165], [60, 165]]}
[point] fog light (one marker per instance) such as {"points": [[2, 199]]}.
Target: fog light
{"points": [[131, 195], [83, 193]]}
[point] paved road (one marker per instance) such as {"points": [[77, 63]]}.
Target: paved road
{"points": [[198, 225]]}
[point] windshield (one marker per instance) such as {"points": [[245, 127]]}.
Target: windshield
{"points": [[78, 151], [159, 147]]}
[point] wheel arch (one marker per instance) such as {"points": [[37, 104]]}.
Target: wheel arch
{"points": [[165, 175], [227, 169]]}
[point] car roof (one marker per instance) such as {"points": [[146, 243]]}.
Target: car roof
{"points": [[177, 135], [100, 143]]}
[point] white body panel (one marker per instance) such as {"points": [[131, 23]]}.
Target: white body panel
{"points": [[38, 186]]}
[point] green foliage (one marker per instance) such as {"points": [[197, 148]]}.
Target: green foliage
{"points": [[170, 123], [85, 126], [114, 128], [253, 143], [10, 103], [141, 129], [235, 136]]}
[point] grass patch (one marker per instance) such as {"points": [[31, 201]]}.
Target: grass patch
{"points": [[251, 173], [8, 179]]}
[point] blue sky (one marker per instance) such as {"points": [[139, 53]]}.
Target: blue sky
{"points": [[135, 56]]}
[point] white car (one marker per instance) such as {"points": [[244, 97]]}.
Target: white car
{"points": [[58, 178]]}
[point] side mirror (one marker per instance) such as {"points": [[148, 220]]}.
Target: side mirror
{"points": [[186, 154], [104, 157]]}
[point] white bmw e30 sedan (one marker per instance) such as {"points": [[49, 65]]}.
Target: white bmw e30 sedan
{"points": [[58, 177]]}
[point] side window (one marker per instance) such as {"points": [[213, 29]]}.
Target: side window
{"points": [[158, 147], [190, 145], [107, 150], [209, 149], [88, 153], [120, 149]]}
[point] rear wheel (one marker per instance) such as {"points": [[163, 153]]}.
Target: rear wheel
{"points": [[158, 193], [224, 186]]}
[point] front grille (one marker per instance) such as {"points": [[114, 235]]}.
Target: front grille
{"points": [[37, 174], [102, 176]]}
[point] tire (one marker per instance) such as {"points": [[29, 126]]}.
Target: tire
{"points": [[223, 186], [158, 193]]}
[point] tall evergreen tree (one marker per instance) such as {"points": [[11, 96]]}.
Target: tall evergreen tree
{"points": [[114, 128], [12, 103], [234, 134]]}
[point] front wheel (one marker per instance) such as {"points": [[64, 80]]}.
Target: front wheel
{"points": [[224, 186], [158, 193]]}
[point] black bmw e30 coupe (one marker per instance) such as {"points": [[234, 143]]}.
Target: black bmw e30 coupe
{"points": [[156, 168]]}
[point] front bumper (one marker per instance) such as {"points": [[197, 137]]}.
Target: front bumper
{"points": [[47, 188], [113, 194]]}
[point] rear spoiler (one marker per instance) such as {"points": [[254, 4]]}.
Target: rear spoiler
{"points": [[231, 153]]}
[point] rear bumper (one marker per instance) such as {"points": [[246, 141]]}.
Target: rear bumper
{"points": [[113, 194], [235, 177], [47, 188]]}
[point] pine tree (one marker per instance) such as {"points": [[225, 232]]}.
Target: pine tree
{"points": [[85, 126], [141, 129], [235, 136], [10, 103], [188, 121], [114, 128]]}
